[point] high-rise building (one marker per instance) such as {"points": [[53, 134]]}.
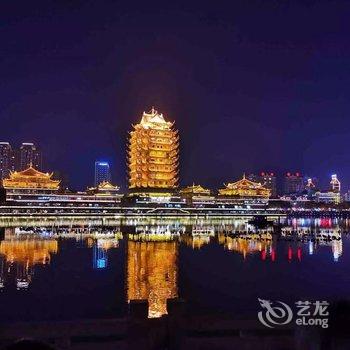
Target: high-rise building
{"points": [[293, 183], [153, 153], [347, 196], [267, 179], [7, 160], [335, 183], [102, 172], [310, 183], [29, 155]]}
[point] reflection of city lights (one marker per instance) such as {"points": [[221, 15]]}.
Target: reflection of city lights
{"points": [[337, 249], [22, 254], [273, 255], [254, 244], [299, 254], [100, 249], [311, 248]]}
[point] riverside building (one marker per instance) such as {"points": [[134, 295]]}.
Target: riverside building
{"points": [[33, 192], [244, 193]]}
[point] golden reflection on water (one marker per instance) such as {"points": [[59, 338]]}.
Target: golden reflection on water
{"points": [[152, 274], [152, 251], [246, 246], [28, 251], [20, 254]]}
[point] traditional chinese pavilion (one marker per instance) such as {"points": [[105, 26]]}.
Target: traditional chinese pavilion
{"points": [[105, 188], [197, 195], [31, 179], [245, 188]]}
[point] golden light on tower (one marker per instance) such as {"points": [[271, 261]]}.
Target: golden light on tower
{"points": [[153, 153]]}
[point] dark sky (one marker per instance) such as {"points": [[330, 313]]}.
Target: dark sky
{"points": [[252, 85]]}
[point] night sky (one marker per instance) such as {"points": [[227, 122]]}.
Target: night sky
{"points": [[252, 85]]}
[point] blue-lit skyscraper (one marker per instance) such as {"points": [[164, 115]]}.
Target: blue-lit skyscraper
{"points": [[102, 172]]}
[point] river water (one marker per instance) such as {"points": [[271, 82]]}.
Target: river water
{"points": [[217, 268]]}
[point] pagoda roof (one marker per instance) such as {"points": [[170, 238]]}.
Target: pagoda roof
{"points": [[30, 172], [30, 178], [106, 185], [244, 183], [195, 189], [153, 119]]}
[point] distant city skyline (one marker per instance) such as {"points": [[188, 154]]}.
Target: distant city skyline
{"points": [[19, 158], [14, 159]]}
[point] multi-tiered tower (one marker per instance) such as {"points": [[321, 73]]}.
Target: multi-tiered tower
{"points": [[153, 154]]}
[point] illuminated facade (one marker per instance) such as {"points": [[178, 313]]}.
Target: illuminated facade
{"points": [[246, 189], [328, 197], [31, 179], [105, 188], [102, 172], [310, 184], [7, 160], [197, 195], [335, 183], [152, 274], [153, 154]]}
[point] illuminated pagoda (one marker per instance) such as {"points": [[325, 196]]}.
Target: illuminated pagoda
{"points": [[246, 189], [31, 180], [153, 155], [197, 195]]}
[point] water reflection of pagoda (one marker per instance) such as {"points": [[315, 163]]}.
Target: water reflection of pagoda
{"points": [[19, 256], [152, 274]]}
